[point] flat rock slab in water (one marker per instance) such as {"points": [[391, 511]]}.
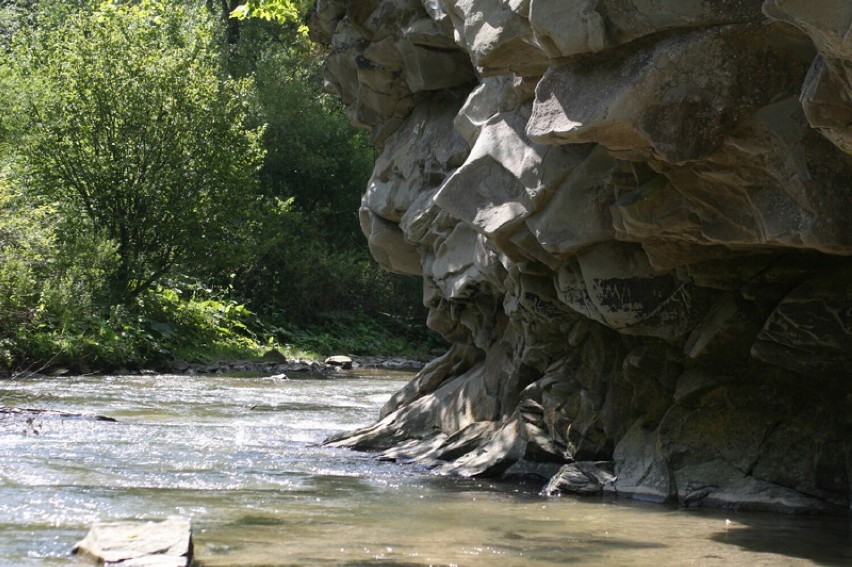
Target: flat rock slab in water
{"points": [[138, 544], [8, 410]]}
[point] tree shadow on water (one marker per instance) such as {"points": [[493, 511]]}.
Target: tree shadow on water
{"points": [[823, 541]]}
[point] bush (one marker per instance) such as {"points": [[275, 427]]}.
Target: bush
{"points": [[129, 126], [190, 322]]}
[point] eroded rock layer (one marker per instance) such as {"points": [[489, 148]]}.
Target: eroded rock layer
{"points": [[633, 220]]}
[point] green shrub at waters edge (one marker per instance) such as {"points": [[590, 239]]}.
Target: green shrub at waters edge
{"points": [[158, 326], [196, 324]]}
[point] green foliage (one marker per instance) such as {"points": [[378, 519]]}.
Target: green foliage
{"points": [[276, 10], [132, 168], [190, 321], [27, 251], [313, 154], [52, 310], [315, 265], [14, 15], [186, 321], [122, 103], [314, 258], [303, 275], [45, 289], [355, 333]]}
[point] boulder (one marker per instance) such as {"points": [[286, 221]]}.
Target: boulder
{"points": [[138, 544], [340, 361], [580, 478]]}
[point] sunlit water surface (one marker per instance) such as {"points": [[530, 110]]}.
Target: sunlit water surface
{"points": [[241, 457]]}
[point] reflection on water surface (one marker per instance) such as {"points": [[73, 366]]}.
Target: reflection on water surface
{"points": [[241, 457]]}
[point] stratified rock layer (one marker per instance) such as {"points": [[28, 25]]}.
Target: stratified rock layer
{"points": [[633, 220]]}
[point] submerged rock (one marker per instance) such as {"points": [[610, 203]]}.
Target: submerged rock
{"points": [[45, 413], [632, 224]]}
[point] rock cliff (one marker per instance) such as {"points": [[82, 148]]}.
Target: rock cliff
{"points": [[633, 221]]}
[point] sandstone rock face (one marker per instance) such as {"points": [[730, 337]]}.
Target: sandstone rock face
{"points": [[633, 223]]}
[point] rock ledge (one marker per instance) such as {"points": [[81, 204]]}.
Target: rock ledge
{"points": [[632, 223]]}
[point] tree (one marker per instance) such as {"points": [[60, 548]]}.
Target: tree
{"points": [[138, 136], [314, 259]]}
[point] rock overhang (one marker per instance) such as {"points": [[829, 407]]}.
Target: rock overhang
{"points": [[632, 223]]}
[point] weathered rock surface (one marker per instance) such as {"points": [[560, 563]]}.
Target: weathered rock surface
{"points": [[138, 544], [341, 361], [632, 220]]}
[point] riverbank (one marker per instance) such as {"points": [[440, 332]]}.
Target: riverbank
{"points": [[215, 339], [162, 327], [276, 365], [328, 365]]}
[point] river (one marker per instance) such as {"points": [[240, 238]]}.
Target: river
{"points": [[241, 457]]}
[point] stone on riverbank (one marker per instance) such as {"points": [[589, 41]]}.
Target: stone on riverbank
{"points": [[138, 544], [340, 361], [268, 367], [296, 365]]}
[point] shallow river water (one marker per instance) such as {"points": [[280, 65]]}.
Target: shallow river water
{"points": [[241, 458]]}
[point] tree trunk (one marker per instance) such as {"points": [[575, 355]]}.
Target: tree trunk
{"points": [[232, 25]]}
